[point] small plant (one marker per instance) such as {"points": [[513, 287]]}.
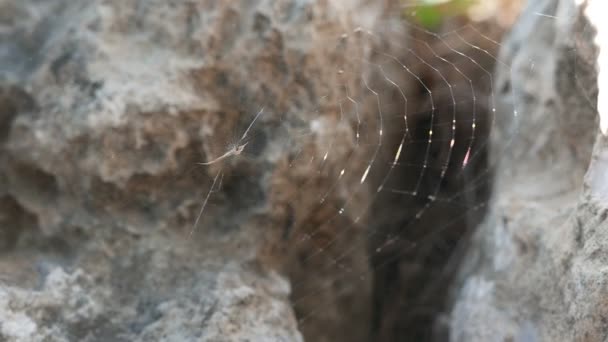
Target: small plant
{"points": [[430, 13]]}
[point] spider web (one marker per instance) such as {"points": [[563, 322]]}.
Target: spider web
{"points": [[420, 116], [429, 129]]}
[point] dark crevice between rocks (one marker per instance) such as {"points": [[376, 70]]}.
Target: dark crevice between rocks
{"points": [[414, 273], [412, 278]]}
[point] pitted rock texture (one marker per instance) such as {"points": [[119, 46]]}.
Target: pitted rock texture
{"points": [[536, 268], [105, 109]]}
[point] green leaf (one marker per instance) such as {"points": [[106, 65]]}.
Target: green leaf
{"points": [[429, 16]]}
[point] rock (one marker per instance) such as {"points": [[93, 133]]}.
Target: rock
{"points": [[105, 109], [535, 268]]}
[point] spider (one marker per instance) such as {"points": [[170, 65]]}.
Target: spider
{"points": [[235, 151], [238, 149]]}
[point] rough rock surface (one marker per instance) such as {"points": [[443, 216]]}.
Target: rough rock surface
{"points": [[536, 268], [105, 108]]}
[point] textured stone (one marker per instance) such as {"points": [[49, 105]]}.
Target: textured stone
{"points": [[535, 269], [105, 109]]}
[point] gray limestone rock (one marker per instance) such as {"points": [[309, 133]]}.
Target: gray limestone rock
{"points": [[105, 109], [535, 270]]}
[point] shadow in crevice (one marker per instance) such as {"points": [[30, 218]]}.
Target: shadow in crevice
{"points": [[419, 236]]}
